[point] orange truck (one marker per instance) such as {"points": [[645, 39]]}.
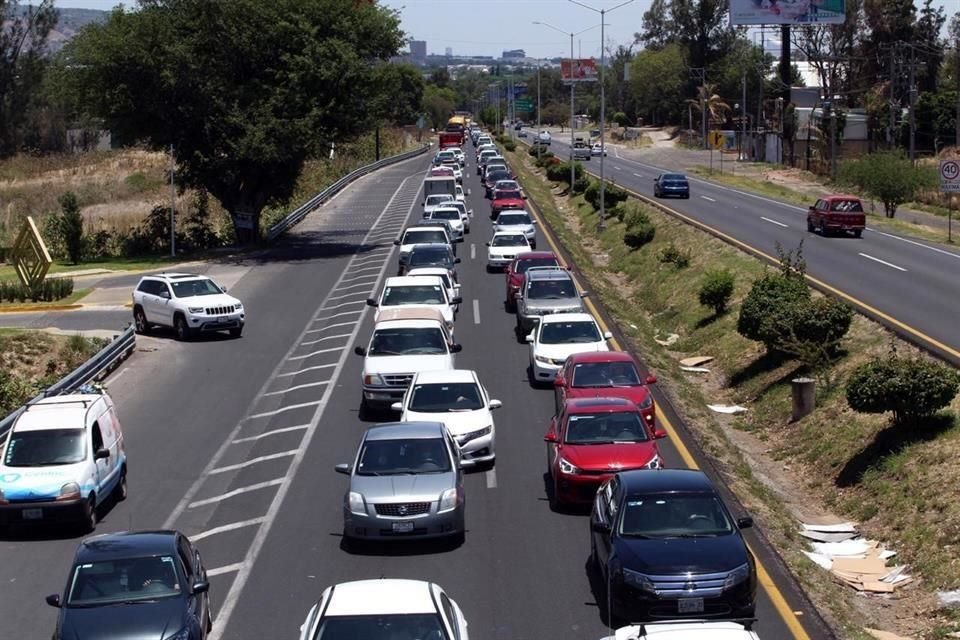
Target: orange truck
{"points": [[450, 139]]}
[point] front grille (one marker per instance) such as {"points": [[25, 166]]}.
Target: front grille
{"points": [[689, 585], [398, 380], [219, 311], [402, 509]]}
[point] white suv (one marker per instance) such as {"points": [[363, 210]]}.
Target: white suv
{"points": [[187, 302]]}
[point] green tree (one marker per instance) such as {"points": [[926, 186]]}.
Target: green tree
{"points": [[910, 388], [658, 81], [716, 290], [699, 26], [399, 96], [438, 104], [70, 226], [246, 91], [621, 119], [887, 176], [768, 299]]}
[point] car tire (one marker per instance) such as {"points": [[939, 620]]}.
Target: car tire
{"points": [[236, 332], [364, 412], [458, 539], [209, 625], [120, 491], [810, 227], [823, 229], [858, 233], [140, 324], [89, 522], [180, 328]]}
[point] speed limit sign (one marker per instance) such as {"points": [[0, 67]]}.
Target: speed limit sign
{"points": [[949, 175]]}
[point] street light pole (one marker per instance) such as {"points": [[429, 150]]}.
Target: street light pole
{"points": [[539, 146], [601, 223]]}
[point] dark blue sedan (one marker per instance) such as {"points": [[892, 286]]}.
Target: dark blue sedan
{"points": [[671, 185], [158, 571]]}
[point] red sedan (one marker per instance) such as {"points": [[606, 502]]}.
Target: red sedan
{"points": [[519, 266], [502, 204], [607, 374], [590, 440]]}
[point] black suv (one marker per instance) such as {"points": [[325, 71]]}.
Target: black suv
{"points": [[667, 547]]}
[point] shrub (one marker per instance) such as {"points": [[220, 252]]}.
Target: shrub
{"points": [[69, 226], [612, 195], [49, 290], [673, 254], [911, 388], [639, 233], [769, 296], [811, 330], [580, 185], [716, 290], [621, 119], [634, 215], [510, 145]]}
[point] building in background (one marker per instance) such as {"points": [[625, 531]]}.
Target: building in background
{"points": [[449, 51], [514, 54], [418, 51]]}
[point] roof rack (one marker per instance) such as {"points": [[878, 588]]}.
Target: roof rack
{"points": [[747, 623]]}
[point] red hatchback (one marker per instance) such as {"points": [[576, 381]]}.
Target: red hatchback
{"points": [[590, 440], [519, 266], [607, 374]]}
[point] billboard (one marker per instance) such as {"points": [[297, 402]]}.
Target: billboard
{"points": [[578, 70], [799, 12]]}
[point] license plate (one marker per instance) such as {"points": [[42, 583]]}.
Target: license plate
{"points": [[32, 514], [222, 319], [402, 527], [690, 605]]}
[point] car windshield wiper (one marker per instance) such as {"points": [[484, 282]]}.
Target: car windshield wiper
{"points": [[641, 536], [696, 535]]}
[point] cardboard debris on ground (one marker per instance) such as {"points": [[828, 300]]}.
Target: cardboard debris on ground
{"points": [[696, 361], [885, 635], [726, 408], [695, 369], [669, 340], [855, 561]]}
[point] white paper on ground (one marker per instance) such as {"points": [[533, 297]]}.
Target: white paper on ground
{"points": [[819, 559], [887, 554], [846, 548], [670, 339], [840, 527], [695, 369], [821, 536], [726, 408]]}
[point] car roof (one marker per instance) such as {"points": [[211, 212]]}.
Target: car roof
{"points": [[511, 211], [410, 281], [666, 481], [428, 271], [549, 274], [126, 544], [450, 375], [384, 596], [169, 277], [602, 356], [395, 430], [531, 255], [508, 233], [554, 318], [404, 312], [600, 404], [841, 196], [421, 227], [56, 412]]}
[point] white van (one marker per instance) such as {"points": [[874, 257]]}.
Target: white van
{"points": [[62, 458], [440, 185]]}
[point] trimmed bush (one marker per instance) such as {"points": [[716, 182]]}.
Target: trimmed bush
{"points": [[768, 297], [580, 185], [510, 145], [69, 227], [716, 290], [639, 231], [49, 290], [671, 254], [910, 388], [612, 195]]}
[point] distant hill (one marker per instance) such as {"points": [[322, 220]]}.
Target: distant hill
{"points": [[70, 23]]}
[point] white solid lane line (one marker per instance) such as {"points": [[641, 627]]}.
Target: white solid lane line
{"points": [[708, 198], [883, 262], [253, 461], [779, 224], [236, 492], [265, 434], [233, 526], [637, 175], [476, 312], [230, 568]]}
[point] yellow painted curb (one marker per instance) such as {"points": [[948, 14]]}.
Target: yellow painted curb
{"points": [[23, 308]]}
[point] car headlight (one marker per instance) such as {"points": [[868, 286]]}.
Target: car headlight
{"points": [[3, 498], [69, 491], [238, 305], [655, 463], [195, 309], [646, 403], [567, 468], [448, 500], [737, 576], [473, 435], [639, 580], [356, 504], [183, 634], [374, 380], [543, 359]]}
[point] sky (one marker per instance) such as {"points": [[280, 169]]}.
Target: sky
{"points": [[488, 27]]}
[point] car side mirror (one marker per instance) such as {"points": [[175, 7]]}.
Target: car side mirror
{"points": [[371, 302], [360, 351], [54, 600], [494, 404], [396, 243], [524, 196], [530, 338], [165, 295], [488, 244], [200, 586], [466, 464], [469, 211], [533, 221], [458, 299], [607, 335], [101, 454], [584, 294], [651, 379], [456, 348], [342, 468], [659, 433], [396, 406], [550, 437], [559, 381], [744, 523], [224, 289], [599, 527]]}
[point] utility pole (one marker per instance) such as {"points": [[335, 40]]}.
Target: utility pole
{"points": [[956, 73], [891, 136], [743, 118], [539, 146], [173, 207], [912, 95]]}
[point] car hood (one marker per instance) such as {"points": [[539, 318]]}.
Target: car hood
{"points": [[681, 555], [612, 457], [153, 620], [41, 483], [561, 351], [420, 487], [516, 228], [407, 364], [667, 631], [445, 310], [562, 305], [458, 422], [215, 300], [507, 251]]}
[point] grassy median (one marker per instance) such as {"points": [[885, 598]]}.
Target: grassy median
{"points": [[834, 461]]}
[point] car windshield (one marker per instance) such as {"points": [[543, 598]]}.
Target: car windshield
{"points": [[526, 263], [408, 341], [403, 455], [424, 237], [445, 214], [413, 294], [46, 447], [446, 397], [604, 428], [189, 288], [496, 173], [511, 219], [411, 626], [123, 580], [507, 184], [569, 332], [605, 374], [429, 256], [674, 515], [518, 240], [551, 289]]}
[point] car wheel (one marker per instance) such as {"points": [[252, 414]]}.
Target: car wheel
{"points": [[180, 328], [810, 226], [236, 332], [140, 324], [120, 491], [209, 625], [823, 229], [858, 233], [89, 522], [365, 410]]}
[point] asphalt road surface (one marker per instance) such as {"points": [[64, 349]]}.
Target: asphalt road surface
{"points": [[234, 442], [912, 282]]}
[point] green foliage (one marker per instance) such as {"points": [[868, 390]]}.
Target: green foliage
{"points": [[612, 195], [399, 97], [621, 119], [49, 290], [672, 254], [767, 297], [810, 330], [245, 91], [561, 172], [888, 176], [716, 290], [639, 234], [580, 184], [137, 182], [510, 145], [69, 226], [910, 388]]}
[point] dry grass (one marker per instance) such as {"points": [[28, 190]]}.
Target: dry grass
{"points": [[835, 460]]}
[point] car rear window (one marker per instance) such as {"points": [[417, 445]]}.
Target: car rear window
{"points": [[846, 206], [424, 237]]}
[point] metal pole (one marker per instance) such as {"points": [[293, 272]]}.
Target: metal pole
{"points": [[891, 137], [913, 122], [833, 144], [539, 146], [601, 223], [572, 117], [743, 118], [950, 220], [173, 208]]}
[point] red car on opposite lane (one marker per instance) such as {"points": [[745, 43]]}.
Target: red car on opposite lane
{"points": [[607, 374], [516, 270], [590, 440]]}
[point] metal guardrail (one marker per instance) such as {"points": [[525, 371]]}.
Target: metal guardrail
{"points": [[101, 363], [298, 214]]}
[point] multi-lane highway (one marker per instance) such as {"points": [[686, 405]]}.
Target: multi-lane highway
{"points": [[234, 442], [908, 283]]}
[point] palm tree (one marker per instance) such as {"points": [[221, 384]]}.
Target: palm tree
{"points": [[708, 100]]}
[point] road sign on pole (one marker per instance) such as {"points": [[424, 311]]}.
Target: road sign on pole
{"points": [[949, 176], [523, 104]]}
